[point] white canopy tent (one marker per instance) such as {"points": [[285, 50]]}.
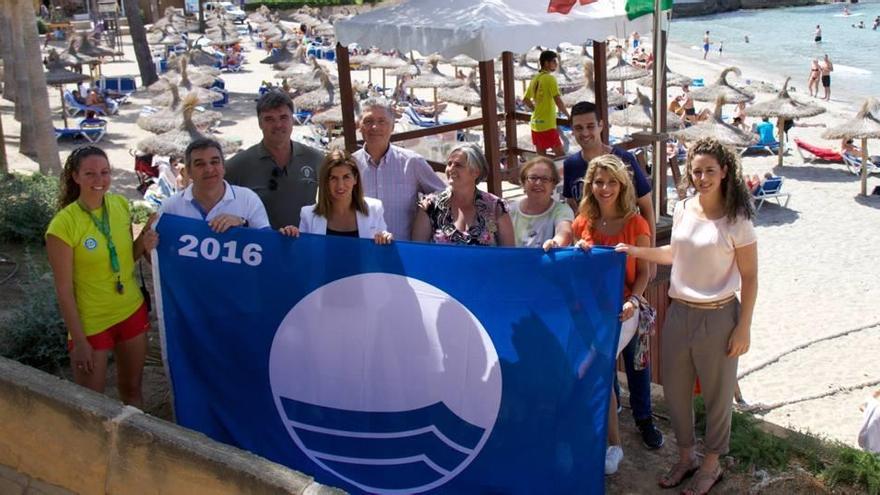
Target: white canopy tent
{"points": [[483, 29]]}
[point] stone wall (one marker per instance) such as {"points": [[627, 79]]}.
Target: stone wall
{"points": [[59, 438]]}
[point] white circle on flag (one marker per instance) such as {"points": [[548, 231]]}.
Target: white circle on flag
{"points": [[386, 381]]}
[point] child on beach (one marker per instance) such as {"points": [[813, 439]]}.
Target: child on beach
{"points": [[544, 98], [713, 253]]}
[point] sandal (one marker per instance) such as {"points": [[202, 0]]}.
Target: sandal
{"points": [[703, 482], [679, 471]]}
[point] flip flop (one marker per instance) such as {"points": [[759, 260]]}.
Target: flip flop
{"points": [[702, 482], [679, 472]]}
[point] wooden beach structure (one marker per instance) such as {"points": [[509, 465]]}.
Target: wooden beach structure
{"points": [[487, 31]]}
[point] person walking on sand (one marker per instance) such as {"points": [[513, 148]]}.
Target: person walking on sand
{"points": [[705, 45], [813, 81], [817, 36], [826, 67]]}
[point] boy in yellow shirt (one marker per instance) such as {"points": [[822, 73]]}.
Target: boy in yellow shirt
{"points": [[543, 98]]}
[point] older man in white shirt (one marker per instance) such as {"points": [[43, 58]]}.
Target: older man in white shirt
{"points": [[390, 173]]}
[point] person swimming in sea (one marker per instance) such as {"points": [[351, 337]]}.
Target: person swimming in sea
{"points": [[817, 37], [705, 45]]}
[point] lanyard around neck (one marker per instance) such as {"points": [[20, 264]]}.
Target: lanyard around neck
{"points": [[103, 226]]}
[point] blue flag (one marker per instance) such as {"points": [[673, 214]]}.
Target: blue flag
{"points": [[406, 368]]}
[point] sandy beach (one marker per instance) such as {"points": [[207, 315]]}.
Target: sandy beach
{"points": [[818, 269]]}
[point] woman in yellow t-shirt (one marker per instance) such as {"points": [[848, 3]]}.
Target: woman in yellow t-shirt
{"points": [[92, 254]]}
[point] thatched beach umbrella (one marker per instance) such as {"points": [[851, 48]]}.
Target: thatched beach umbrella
{"points": [[58, 76], [588, 91], [783, 107], [385, 62], [865, 125], [187, 78], [72, 58], [577, 59], [171, 118], [623, 71], [320, 99], [434, 79], [463, 61], [467, 95], [641, 114], [174, 92], [95, 50], [299, 64], [282, 55], [714, 127], [723, 88], [672, 79], [174, 143]]}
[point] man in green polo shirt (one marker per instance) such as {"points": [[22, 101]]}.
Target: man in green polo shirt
{"points": [[282, 172], [545, 100]]}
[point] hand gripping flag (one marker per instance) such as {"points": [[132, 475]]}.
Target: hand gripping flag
{"points": [[407, 368]]}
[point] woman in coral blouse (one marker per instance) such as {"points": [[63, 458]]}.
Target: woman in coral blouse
{"points": [[608, 216]]}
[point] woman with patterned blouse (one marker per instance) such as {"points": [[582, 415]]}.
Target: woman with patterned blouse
{"points": [[462, 214]]}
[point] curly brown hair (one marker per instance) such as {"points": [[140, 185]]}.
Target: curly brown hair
{"points": [[69, 191], [626, 199], [735, 194]]}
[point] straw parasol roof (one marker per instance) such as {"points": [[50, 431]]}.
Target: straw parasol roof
{"points": [[282, 55], [320, 99], [72, 58], [203, 96], [299, 64], [59, 76], [714, 127], [187, 78], [756, 86], [86, 47], [171, 118], [522, 71], [432, 78], [588, 91], [865, 125], [567, 81], [578, 59], [466, 95], [672, 79], [171, 19], [623, 71], [463, 61], [533, 55], [641, 114], [174, 143], [723, 88]]}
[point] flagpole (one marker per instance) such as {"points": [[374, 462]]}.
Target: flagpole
{"points": [[658, 127]]}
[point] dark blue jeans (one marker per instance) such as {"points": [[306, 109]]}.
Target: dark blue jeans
{"points": [[639, 383]]}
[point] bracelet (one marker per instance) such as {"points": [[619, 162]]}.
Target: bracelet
{"points": [[634, 300]]}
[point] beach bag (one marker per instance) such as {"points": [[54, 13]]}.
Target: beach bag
{"points": [[647, 320]]}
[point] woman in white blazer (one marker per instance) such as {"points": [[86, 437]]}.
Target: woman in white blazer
{"points": [[342, 209]]}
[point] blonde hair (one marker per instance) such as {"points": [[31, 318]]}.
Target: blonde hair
{"points": [[338, 158], [626, 199]]}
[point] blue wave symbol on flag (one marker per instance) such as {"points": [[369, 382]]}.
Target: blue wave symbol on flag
{"points": [[385, 450]]}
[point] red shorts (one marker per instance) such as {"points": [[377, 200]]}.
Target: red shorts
{"points": [[548, 139], [129, 328]]}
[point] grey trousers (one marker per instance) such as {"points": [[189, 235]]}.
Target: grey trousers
{"points": [[694, 344]]}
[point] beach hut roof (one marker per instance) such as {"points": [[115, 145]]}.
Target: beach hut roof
{"points": [[723, 88], [865, 125], [640, 114], [714, 127], [784, 106], [482, 30], [623, 71]]}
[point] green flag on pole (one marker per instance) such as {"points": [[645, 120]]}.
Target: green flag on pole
{"points": [[638, 8]]}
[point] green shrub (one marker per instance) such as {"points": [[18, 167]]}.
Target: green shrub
{"points": [[140, 211], [855, 467], [33, 333], [29, 203], [42, 27]]}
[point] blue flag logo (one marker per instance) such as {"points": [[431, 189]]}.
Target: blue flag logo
{"points": [[409, 368]]}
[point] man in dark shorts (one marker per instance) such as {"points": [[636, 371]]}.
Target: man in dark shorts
{"points": [[827, 68], [818, 36]]}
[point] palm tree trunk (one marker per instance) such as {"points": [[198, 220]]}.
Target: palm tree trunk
{"points": [[139, 42], [27, 141], [45, 145], [4, 163], [6, 50]]}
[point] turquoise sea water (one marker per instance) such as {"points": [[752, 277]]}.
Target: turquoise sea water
{"points": [[781, 42]]}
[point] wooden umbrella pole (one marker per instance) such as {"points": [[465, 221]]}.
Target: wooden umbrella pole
{"points": [[436, 113], [63, 106], [383, 81], [781, 150], [865, 166]]}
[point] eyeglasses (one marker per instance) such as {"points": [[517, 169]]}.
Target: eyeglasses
{"points": [[537, 179]]}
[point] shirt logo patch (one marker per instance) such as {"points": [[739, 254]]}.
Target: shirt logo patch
{"points": [[307, 173], [90, 243]]}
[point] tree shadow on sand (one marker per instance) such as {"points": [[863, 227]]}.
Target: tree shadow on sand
{"points": [[872, 201], [773, 214]]}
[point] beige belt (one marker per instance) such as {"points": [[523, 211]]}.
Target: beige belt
{"points": [[708, 305]]}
